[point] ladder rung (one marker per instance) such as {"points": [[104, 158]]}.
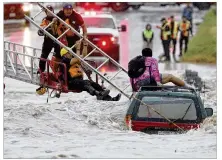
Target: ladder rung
{"points": [[89, 54], [102, 64], [75, 44], [48, 25], [63, 34], [126, 87], [10, 61], [25, 68], [37, 14], [115, 74]]}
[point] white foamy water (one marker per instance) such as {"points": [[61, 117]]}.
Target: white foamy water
{"points": [[79, 126]]}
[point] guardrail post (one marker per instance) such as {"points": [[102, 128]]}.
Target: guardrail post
{"points": [[5, 59], [32, 68]]}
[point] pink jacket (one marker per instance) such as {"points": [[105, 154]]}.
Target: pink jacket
{"points": [[149, 61]]}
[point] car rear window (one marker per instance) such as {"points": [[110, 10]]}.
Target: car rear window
{"points": [[98, 22], [172, 108]]}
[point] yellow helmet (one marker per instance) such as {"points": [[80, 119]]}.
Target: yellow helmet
{"points": [[63, 52], [41, 90]]}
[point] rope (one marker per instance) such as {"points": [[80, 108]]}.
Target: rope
{"points": [[184, 113]]}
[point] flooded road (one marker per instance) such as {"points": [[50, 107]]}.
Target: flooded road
{"points": [[79, 126], [18, 33]]}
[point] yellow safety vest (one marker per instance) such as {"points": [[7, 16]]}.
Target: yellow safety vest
{"points": [[148, 34], [175, 30], [165, 34], [75, 71], [184, 27]]}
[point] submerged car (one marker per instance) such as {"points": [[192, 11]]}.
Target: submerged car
{"points": [[182, 106]]}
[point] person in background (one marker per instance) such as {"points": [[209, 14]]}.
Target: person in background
{"points": [[184, 28], [148, 37], [165, 38], [174, 28], [188, 13]]}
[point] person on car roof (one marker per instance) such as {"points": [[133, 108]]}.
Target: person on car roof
{"points": [[151, 76]]}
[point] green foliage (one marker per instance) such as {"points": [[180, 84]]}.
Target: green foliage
{"points": [[203, 46]]}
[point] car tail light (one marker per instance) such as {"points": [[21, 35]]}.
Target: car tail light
{"points": [[104, 43], [128, 121], [114, 40], [107, 41]]}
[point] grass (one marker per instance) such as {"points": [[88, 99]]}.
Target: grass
{"points": [[203, 46]]}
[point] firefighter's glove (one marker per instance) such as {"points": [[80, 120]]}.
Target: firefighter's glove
{"points": [[54, 20], [84, 36]]}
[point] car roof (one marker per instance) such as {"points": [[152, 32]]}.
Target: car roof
{"points": [[167, 88]]}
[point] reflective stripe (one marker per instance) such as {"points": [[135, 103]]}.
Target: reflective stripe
{"points": [[148, 34], [184, 28], [175, 30], [165, 34]]}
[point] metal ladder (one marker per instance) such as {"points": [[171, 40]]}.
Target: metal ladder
{"points": [[21, 62], [95, 48]]}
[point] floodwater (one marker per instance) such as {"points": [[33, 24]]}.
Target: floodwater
{"points": [[79, 126]]}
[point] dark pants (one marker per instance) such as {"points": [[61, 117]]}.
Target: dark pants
{"points": [[191, 23], [80, 84], [88, 86], [166, 48], [47, 46], [186, 40], [174, 45]]}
